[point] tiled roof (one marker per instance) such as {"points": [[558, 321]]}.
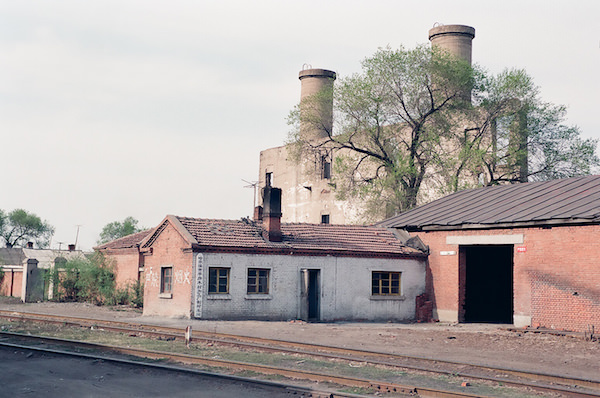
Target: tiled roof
{"points": [[556, 202], [247, 234], [125, 242]]}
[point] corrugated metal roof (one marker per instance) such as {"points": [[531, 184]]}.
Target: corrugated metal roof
{"points": [[565, 201]]}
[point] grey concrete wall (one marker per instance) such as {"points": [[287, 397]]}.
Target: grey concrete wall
{"points": [[345, 288]]}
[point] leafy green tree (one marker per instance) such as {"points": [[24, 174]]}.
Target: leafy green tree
{"points": [[423, 118], [19, 227], [119, 229], [390, 119]]}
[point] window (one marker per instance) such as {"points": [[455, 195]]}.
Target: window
{"points": [[268, 179], [324, 218], [258, 281], [385, 283], [218, 280], [325, 168], [166, 280]]}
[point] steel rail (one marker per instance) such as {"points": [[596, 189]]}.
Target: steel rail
{"points": [[288, 387], [265, 369], [372, 357]]}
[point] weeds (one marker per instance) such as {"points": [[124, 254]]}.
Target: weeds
{"points": [[92, 279]]}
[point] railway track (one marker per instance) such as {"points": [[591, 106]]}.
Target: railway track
{"points": [[545, 383], [223, 380]]}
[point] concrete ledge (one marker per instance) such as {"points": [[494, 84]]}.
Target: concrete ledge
{"points": [[218, 297], [520, 321], [258, 297], [445, 315], [390, 297], [513, 239]]}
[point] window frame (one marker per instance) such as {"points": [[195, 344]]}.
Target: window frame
{"points": [[217, 283], [383, 288], [166, 281], [257, 281]]}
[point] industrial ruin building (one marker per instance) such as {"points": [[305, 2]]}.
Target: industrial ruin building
{"points": [[309, 194]]}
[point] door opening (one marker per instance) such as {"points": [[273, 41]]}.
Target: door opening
{"points": [[310, 306], [487, 280]]}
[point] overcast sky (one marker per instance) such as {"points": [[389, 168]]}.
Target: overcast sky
{"points": [[111, 109]]}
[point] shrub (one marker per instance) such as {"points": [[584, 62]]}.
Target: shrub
{"points": [[96, 282], [90, 279], [137, 294], [121, 296]]}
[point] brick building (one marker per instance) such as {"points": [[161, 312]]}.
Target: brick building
{"points": [[125, 253], [527, 254], [237, 269], [263, 269]]}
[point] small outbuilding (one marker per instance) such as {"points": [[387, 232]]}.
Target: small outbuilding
{"points": [[527, 254], [246, 269], [126, 258]]}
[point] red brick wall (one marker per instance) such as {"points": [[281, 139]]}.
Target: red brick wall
{"points": [[127, 263], [556, 278], [167, 250]]}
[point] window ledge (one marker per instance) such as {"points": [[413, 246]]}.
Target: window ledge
{"points": [[258, 296], [213, 296], [165, 295], [388, 297]]}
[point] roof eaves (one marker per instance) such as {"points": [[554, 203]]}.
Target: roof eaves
{"points": [[287, 250], [508, 225]]}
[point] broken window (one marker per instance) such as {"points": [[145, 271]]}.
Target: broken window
{"points": [[166, 280], [258, 281], [325, 168], [385, 283], [218, 280], [268, 179]]}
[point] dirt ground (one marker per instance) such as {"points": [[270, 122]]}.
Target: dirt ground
{"points": [[485, 344]]}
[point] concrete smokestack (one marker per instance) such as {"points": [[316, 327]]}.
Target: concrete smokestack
{"points": [[316, 102], [456, 39]]}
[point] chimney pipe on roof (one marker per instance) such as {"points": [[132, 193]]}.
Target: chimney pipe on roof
{"points": [[258, 213], [71, 247], [30, 245], [271, 214]]}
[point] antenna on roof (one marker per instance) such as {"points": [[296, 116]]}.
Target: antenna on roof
{"points": [[253, 184], [77, 236]]}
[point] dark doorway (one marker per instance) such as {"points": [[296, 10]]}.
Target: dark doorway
{"points": [[488, 283], [310, 310]]}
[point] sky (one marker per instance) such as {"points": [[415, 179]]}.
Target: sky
{"points": [[110, 109]]}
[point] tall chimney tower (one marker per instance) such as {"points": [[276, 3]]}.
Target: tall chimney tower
{"points": [[456, 39], [316, 102]]}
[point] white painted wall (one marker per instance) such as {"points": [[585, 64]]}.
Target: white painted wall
{"points": [[345, 291]]}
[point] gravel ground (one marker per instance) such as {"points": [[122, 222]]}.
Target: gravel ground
{"points": [[485, 344]]}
